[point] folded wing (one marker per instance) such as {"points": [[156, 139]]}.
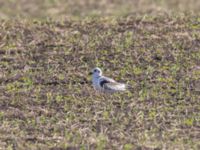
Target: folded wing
{"points": [[115, 86], [110, 85]]}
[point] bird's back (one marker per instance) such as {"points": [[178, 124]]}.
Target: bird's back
{"points": [[109, 85]]}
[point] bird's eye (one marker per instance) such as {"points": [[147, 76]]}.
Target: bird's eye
{"points": [[96, 71]]}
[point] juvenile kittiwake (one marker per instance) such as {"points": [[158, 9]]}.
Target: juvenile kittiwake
{"points": [[105, 84]]}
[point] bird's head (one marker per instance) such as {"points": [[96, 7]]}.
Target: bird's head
{"points": [[96, 72]]}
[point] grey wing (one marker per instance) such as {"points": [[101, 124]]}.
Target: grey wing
{"points": [[114, 86], [107, 79], [111, 85]]}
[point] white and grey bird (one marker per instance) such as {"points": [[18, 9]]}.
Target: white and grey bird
{"points": [[105, 84]]}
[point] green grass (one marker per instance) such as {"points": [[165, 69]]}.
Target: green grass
{"points": [[46, 97]]}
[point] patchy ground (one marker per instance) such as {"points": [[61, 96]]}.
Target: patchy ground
{"points": [[46, 97], [61, 9]]}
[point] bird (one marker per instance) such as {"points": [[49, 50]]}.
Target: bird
{"points": [[105, 84]]}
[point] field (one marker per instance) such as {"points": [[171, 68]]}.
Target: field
{"points": [[47, 49]]}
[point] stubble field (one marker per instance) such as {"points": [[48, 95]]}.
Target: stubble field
{"points": [[46, 97]]}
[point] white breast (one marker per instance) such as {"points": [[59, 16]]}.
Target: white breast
{"points": [[95, 83]]}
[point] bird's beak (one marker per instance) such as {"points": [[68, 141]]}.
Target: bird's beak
{"points": [[90, 73]]}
